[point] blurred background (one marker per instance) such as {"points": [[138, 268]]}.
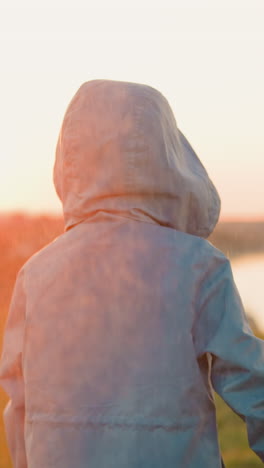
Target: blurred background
{"points": [[205, 57]]}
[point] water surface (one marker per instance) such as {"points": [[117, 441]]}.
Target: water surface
{"points": [[248, 272]]}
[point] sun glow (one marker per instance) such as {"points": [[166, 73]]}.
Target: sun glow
{"points": [[203, 56]]}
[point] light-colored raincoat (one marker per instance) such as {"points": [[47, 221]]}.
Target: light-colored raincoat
{"points": [[120, 328]]}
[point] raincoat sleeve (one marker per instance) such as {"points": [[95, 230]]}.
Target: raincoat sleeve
{"points": [[11, 376], [237, 356]]}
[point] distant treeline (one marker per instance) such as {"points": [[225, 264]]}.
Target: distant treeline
{"points": [[238, 238], [21, 235]]}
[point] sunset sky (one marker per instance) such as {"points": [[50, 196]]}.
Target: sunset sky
{"points": [[206, 57]]}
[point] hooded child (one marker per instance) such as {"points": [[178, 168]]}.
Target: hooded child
{"points": [[121, 328]]}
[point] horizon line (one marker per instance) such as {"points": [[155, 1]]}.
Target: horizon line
{"points": [[52, 213]]}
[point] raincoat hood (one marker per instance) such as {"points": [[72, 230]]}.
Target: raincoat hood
{"points": [[120, 151]]}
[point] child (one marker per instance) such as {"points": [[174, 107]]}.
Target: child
{"points": [[119, 329]]}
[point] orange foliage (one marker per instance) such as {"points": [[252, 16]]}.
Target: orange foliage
{"points": [[20, 237]]}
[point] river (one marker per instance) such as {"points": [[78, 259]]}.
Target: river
{"points": [[248, 273]]}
